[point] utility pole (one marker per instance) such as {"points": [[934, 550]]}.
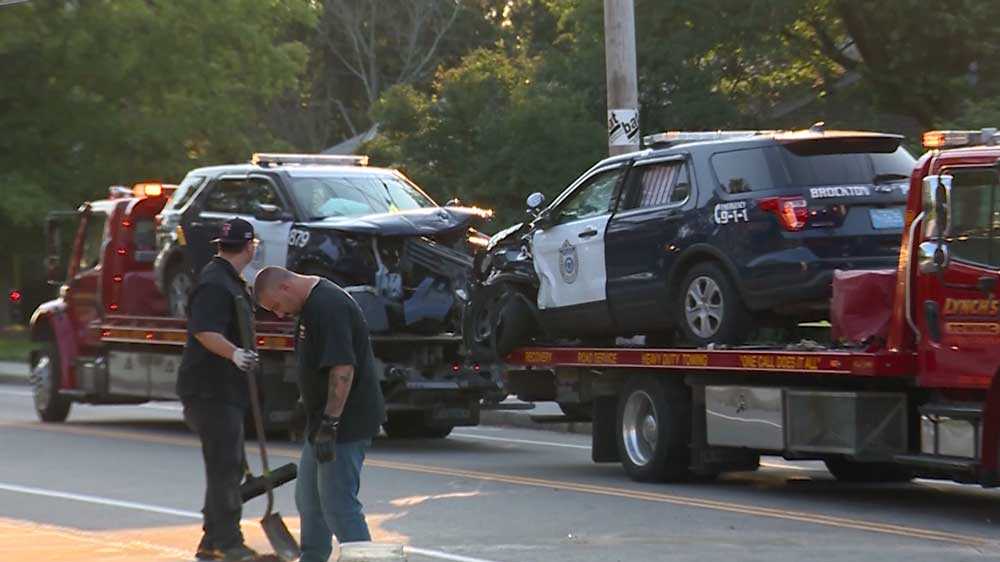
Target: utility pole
{"points": [[623, 90]]}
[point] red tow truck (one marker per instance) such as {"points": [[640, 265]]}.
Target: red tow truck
{"points": [[108, 338], [906, 387]]}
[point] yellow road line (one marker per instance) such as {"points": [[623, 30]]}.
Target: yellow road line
{"points": [[687, 501]]}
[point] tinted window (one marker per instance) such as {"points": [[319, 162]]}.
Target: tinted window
{"points": [[591, 199], [899, 163], [975, 217], [355, 196], [185, 191], [741, 171], [810, 164], [241, 197], [144, 235], [658, 185], [93, 241]]}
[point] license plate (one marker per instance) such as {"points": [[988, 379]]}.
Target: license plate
{"points": [[451, 414], [884, 219]]}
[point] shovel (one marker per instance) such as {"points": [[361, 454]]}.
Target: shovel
{"points": [[281, 539]]}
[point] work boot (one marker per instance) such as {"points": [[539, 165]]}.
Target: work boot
{"points": [[207, 551], [239, 553]]}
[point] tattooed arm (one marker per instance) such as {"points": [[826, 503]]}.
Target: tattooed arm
{"points": [[341, 378]]}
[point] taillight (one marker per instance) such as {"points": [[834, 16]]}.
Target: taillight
{"points": [[792, 212]]}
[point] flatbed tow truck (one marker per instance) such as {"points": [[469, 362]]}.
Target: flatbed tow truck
{"points": [[108, 338], [908, 387]]}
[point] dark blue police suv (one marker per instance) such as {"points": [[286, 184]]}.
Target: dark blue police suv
{"points": [[706, 234]]}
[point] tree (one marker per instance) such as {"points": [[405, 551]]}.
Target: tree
{"points": [[115, 91], [489, 133]]}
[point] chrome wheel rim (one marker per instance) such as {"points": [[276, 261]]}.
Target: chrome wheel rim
{"points": [[703, 307], [640, 428], [41, 381], [180, 287]]}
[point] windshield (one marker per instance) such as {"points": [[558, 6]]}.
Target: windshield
{"points": [[355, 196]]}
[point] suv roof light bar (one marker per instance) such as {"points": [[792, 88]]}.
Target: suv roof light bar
{"points": [[675, 137], [266, 159], [952, 139]]}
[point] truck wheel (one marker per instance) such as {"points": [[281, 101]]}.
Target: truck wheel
{"points": [[846, 470], [50, 406], [411, 425], [654, 429], [710, 308], [178, 283]]}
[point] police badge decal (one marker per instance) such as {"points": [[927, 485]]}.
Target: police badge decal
{"points": [[569, 265]]}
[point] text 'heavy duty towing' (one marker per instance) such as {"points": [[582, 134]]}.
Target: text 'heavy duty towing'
{"points": [[909, 388], [108, 337]]}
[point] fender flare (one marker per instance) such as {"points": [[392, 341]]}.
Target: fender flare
{"points": [[697, 253], [51, 322]]}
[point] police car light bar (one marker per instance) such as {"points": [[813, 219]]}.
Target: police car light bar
{"points": [[266, 159], [675, 137], [953, 139]]}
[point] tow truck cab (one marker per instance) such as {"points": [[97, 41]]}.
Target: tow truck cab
{"points": [[105, 268]]}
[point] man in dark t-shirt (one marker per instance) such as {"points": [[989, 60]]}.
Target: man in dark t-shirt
{"points": [[212, 385], [343, 401]]}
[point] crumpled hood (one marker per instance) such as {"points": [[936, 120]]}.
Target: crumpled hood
{"points": [[418, 222]]}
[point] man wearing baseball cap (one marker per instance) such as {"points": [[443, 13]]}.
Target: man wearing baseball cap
{"points": [[213, 388]]}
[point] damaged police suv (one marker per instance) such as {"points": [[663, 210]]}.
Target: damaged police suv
{"points": [[707, 234], [371, 230]]}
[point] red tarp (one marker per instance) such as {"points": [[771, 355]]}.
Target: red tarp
{"points": [[862, 304]]}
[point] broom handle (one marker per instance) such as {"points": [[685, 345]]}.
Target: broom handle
{"points": [[245, 322]]}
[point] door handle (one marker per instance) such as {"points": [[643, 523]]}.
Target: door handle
{"points": [[197, 224], [588, 233]]}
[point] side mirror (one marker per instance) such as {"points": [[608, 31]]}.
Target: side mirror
{"points": [[933, 257], [937, 206], [55, 273], [535, 201], [265, 212], [454, 202]]}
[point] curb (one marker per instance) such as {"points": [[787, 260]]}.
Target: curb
{"points": [[524, 421], [10, 378]]}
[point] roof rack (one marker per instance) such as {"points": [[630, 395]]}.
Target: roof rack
{"points": [[670, 138], [267, 159], [952, 139]]}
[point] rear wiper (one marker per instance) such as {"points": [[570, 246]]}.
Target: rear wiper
{"points": [[882, 178]]}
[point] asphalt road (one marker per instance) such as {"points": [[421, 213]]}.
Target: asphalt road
{"points": [[124, 483]]}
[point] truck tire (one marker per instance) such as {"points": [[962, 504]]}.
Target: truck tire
{"points": [[710, 309], [846, 470], [50, 406], [496, 322], [177, 284], [412, 425], [654, 429]]}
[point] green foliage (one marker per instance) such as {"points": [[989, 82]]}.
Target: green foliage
{"points": [[489, 132], [103, 91]]}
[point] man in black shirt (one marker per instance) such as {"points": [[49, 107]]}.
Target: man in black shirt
{"points": [[343, 402], [213, 388]]}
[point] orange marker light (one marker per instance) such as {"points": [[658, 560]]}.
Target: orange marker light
{"points": [[147, 189]]}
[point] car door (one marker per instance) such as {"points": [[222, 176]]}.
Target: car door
{"points": [[569, 255], [958, 309], [239, 196], [643, 240], [272, 231]]}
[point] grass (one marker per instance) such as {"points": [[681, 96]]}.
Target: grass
{"points": [[15, 344]]}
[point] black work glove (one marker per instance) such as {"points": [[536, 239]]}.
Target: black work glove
{"points": [[325, 441]]}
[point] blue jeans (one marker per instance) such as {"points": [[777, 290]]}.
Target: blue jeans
{"points": [[326, 495]]}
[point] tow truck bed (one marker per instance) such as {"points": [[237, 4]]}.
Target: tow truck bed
{"points": [[745, 360]]}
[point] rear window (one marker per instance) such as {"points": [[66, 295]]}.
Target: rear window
{"points": [[783, 167]]}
